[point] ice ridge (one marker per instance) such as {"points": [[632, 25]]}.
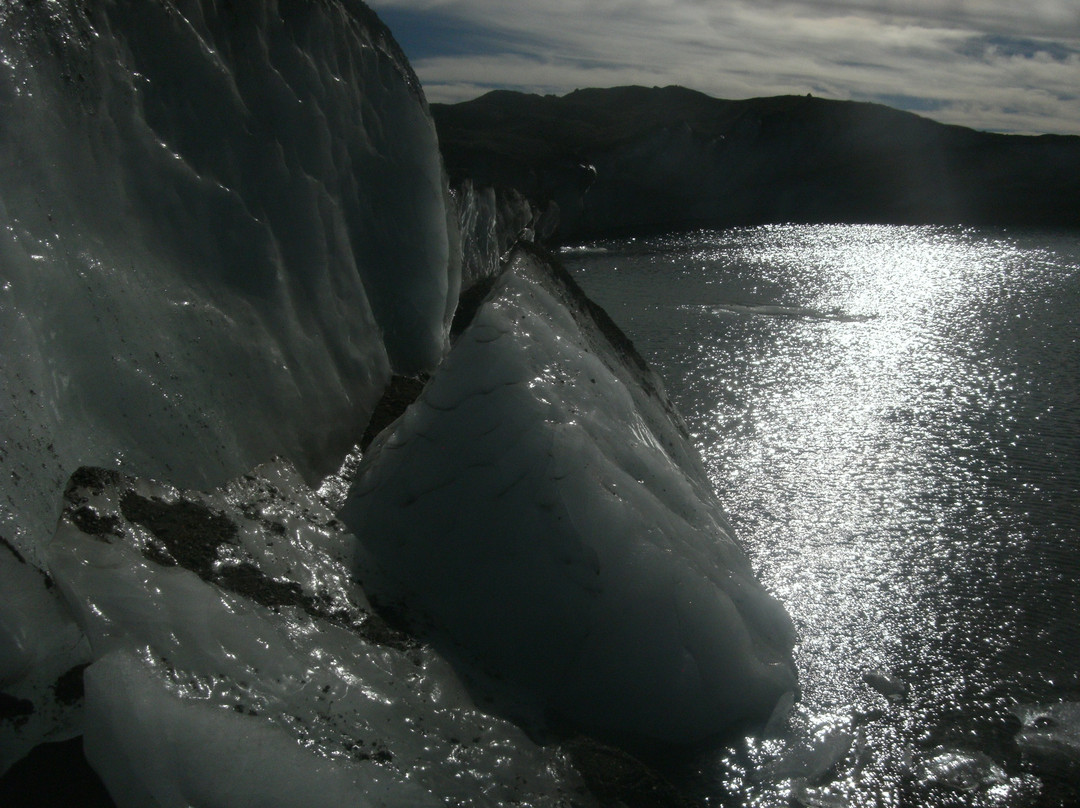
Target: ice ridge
{"points": [[541, 516]]}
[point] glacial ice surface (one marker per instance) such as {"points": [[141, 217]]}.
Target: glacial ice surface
{"points": [[490, 222], [541, 514], [222, 227], [236, 662], [42, 652]]}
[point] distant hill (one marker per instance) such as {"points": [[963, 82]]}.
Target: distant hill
{"points": [[635, 159]]}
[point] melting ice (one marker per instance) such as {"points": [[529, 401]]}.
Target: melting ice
{"points": [[223, 227], [541, 514]]}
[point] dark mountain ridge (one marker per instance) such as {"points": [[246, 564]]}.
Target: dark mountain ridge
{"points": [[635, 159]]}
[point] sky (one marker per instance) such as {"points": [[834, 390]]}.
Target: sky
{"points": [[998, 65]]}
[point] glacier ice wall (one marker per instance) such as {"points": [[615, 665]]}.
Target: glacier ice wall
{"points": [[222, 226], [541, 514], [491, 220]]}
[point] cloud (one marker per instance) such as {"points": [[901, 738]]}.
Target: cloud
{"points": [[991, 64], [990, 46]]}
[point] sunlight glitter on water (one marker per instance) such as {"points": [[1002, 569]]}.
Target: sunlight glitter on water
{"points": [[881, 409]]}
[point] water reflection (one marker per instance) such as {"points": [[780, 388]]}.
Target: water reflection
{"points": [[892, 417]]}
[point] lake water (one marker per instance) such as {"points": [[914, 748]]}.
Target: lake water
{"points": [[892, 418]]}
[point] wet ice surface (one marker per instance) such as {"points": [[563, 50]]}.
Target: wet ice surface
{"points": [[42, 652], [1049, 737], [540, 515], [235, 661], [891, 417], [234, 658], [221, 229], [194, 273]]}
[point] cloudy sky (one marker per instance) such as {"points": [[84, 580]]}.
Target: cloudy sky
{"points": [[1001, 65]]}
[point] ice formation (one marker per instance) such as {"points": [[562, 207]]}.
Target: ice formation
{"points": [[811, 757], [236, 662], [42, 652], [1049, 737], [541, 514], [491, 221], [223, 226], [961, 770]]}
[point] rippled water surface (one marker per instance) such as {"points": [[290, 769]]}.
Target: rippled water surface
{"points": [[892, 418]]}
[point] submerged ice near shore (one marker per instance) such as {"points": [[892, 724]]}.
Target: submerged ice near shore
{"points": [[207, 267]]}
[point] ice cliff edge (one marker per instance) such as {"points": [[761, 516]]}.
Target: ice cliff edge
{"points": [[224, 227], [541, 515]]}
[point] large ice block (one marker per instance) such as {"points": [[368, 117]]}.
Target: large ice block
{"points": [[541, 514]]}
